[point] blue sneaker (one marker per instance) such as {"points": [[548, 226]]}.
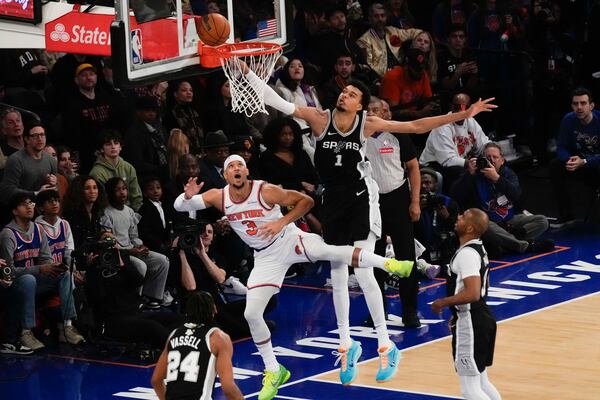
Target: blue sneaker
{"points": [[348, 358], [389, 358]]}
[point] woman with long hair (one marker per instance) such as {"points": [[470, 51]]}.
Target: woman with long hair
{"points": [[83, 205], [293, 87], [177, 145], [181, 113], [424, 42]]}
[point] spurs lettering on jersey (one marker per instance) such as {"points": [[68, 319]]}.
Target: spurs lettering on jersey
{"points": [[247, 216]]}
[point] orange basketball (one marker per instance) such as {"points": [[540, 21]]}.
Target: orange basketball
{"points": [[213, 29]]}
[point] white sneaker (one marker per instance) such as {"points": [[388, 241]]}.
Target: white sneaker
{"points": [[232, 285], [353, 282], [167, 299]]}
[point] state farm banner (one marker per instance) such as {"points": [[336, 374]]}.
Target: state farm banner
{"points": [[87, 33], [21, 10]]}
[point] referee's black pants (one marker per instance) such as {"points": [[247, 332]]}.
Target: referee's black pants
{"points": [[396, 223]]}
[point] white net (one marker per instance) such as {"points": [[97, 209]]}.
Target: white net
{"points": [[247, 96]]}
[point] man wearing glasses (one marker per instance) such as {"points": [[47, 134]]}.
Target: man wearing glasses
{"points": [[29, 170], [24, 247]]}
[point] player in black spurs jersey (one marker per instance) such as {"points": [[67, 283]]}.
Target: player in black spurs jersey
{"points": [[350, 212], [194, 354], [473, 324]]}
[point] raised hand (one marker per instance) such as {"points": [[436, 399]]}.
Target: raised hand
{"points": [[481, 106], [192, 188]]}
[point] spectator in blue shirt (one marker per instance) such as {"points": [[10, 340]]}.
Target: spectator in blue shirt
{"points": [[578, 151]]}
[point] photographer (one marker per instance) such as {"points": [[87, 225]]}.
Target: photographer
{"points": [[24, 246], [490, 185], [435, 228], [112, 283], [200, 271], [13, 291]]}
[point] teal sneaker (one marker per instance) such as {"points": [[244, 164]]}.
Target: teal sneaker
{"points": [[399, 268], [348, 358], [389, 358], [272, 381]]}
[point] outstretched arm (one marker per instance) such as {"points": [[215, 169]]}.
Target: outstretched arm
{"points": [[316, 119], [424, 125], [190, 200]]}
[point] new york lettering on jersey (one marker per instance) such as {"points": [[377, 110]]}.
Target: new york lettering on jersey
{"points": [[246, 216], [57, 242], [339, 156], [27, 250], [191, 366]]}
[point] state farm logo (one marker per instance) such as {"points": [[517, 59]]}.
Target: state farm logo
{"points": [[80, 34], [59, 34]]}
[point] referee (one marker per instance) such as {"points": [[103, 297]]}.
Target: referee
{"points": [[393, 158], [473, 324]]}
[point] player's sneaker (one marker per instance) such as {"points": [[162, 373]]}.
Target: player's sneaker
{"points": [[272, 381], [400, 268], [429, 270], [348, 358], [389, 358]]}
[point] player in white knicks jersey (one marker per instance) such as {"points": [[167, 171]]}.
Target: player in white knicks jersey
{"points": [[253, 211]]}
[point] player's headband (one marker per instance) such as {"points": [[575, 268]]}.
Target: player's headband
{"points": [[232, 158]]}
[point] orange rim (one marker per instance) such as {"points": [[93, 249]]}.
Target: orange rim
{"points": [[210, 57]]}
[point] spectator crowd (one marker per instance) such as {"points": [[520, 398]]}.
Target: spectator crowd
{"points": [[89, 172]]}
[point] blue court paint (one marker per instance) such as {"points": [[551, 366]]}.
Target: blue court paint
{"points": [[306, 331]]}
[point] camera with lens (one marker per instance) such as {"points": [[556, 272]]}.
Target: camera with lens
{"points": [[107, 255], [433, 200], [188, 232], [482, 163], [7, 273]]}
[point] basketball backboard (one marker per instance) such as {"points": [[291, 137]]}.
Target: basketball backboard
{"points": [[148, 47]]}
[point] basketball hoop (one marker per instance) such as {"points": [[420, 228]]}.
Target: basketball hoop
{"points": [[260, 57]]}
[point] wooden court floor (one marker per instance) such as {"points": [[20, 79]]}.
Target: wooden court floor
{"points": [[553, 353]]}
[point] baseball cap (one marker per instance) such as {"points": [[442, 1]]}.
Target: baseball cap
{"points": [[83, 67]]}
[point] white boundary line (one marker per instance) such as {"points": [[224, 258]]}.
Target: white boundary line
{"points": [[315, 377]]}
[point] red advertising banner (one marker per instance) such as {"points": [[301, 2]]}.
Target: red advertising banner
{"points": [[86, 33], [21, 10]]}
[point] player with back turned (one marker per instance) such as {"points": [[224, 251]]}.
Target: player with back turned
{"points": [[193, 355]]}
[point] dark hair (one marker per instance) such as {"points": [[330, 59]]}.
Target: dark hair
{"points": [[457, 27], [46, 195], [200, 308], [146, 181], [273, 130], [110, 186], [366, 93], [18, 198], [582, 91], [285, 77], [106, 135], [61, 149], [74, 200], [494, 145], [34, 123]]}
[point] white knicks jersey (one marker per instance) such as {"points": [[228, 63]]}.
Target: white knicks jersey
{"points": [[248, 215]]}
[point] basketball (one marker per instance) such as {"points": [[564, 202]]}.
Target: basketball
{"points": [[213, 29]]}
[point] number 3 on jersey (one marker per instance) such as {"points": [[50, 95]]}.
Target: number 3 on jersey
{"points": [[338, 160], [252, 228]]}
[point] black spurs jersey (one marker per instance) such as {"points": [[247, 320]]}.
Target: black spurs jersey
{"points": [[454, 284], [340, 157], [191, 368]]}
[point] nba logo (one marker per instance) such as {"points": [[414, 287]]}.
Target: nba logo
{"points": [[136, 47]]}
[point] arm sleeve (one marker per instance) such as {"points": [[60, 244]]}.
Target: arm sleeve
{"points": [[444, 147], [11, 179], [134, 236], [508, 184], [193, 204]]}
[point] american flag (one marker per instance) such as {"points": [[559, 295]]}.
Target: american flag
{"points": [[267, 28]]}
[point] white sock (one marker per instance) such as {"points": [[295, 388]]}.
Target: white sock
{"points": [[341, 302], [488, 387], [367, 259], [67, 322], [268, 356], [374, 299], [470, 386]]}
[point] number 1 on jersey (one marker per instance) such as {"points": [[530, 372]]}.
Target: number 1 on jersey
{"points": [[338, 160]]}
